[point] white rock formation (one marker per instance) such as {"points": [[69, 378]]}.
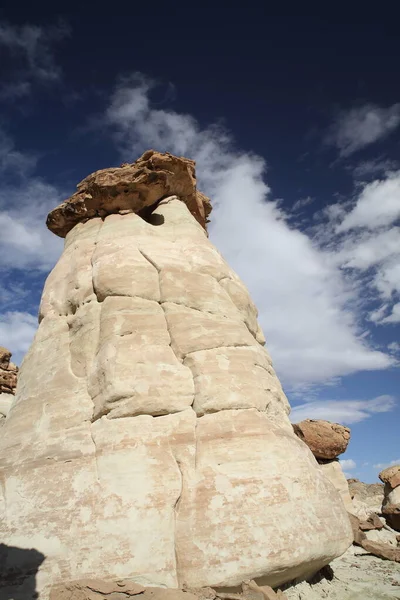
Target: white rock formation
{"points": [[149, 437]]}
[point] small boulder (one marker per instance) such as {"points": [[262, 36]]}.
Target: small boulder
{"points": [[391, 476], [326, 440], [373, 522]]}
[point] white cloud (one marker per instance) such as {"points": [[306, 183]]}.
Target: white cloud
{"points": [[343, 411], [16, 332], [377, 315], [306, 305], [362, 236], [359, 127], [25, 201], [25, 241], [365, 250], [381, 466], [347, 463], [394, 346], [378, 205], [31, 46], [394, 317]]}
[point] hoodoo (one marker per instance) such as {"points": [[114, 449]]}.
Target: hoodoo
{"points": [[149, 437]]}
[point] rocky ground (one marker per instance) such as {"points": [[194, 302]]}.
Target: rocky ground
{"points": [[355, 576]]}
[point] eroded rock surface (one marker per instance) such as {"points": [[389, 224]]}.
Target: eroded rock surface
{"points": [[134, 188], [367, 498], [326, 440], [391, 502], [149, 438], [333, 471]]}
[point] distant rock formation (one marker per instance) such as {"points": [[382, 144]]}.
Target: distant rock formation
{"points": [[367, 498], [149, 439], [391, 503], [8, 383]]}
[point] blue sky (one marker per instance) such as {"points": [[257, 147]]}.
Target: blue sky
{"points": [[295, 126]]}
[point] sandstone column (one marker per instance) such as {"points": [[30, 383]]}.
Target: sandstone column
{"points": [[150, 437]]}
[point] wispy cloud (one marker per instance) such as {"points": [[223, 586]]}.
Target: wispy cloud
{"points": [[301, 203], [367, 169], [394, 316], [394, 347], [381, 466], [31, 57], [347, 463], [378, 205], [25, 200], [359, 127], [16, 332], [343, 411], [363, 237], [307, 308]]}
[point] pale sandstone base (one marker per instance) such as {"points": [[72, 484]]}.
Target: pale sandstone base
{"points": [[149, 438]]}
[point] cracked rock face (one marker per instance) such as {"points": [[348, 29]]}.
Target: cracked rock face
{"points": [[150, 438]]}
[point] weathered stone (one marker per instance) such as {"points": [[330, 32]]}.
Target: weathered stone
{"points": [[149, 439], [96, 589], [8, 372], [382, 550], [382, 535], [391, 501], [391, 510], [333, 471], [5, 356], [373, 522], [366, 498], [391, 476], [326, 440], [5, 405], [132, 187]]}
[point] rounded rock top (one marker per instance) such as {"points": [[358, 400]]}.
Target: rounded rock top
{"points": [[391, 475], [326, 440]]}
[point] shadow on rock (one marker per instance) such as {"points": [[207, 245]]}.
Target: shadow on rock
{"points": [[18, 568]]}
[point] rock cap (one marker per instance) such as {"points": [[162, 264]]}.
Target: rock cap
{"points": [[326, 440], [132, 187], [391, 475]]}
